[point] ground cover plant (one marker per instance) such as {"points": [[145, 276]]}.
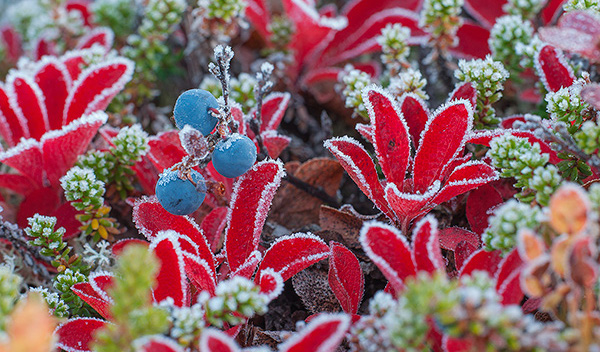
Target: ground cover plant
{"points": [[299, 175]]}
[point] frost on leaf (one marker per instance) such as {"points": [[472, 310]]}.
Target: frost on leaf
{"points": [[213, 340], [250, 203], [323, 334], [76, 335], [346, 278], [553, 69], [290, 254]]}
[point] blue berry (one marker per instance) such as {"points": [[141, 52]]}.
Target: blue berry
{"points": [[234, 156], [193, 108], [178, 196]]}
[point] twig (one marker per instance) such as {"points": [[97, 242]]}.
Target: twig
{"points": [[261, 89], [316, 192]]}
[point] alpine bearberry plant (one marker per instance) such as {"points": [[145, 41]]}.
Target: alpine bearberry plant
{"points": [[252, 175]]}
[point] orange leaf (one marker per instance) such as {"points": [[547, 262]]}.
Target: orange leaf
{"points": [[569, 209], [529, 245], [30, 327]]}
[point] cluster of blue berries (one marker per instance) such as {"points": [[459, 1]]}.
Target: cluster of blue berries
{"points": [[233, 155]]}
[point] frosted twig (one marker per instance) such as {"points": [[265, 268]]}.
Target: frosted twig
{"points": [[223, 56], [261, 89]]}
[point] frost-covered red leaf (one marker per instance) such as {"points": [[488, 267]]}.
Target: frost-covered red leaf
{"points": [[96, 86], [359, 165], [171, 280], [553, 69], [270, 282], [273, 110], [102, 36], [415, 112], [250, 203], [426, 246], [323, 334], [293, 253], [443, 138], [479, 203], [213, 340], [390, 251], [482, 260], [390, 134], [54, 82], [346, 278], [77, 335], [157, 343], [94, 292]]}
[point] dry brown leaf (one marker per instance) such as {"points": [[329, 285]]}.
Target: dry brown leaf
{"points": [[344, 223], [312, 286], [295, 208], [30, 327]]}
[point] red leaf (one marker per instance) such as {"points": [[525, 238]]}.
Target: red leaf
{"points": [[17, 183], [43, 47], [480, 201], [96, 86], [12, 126], [74, 62], [442, 140], [462, 252], [360, 38], [275, 143], [61, 148], [450, 237], [323, 334], [392, 143], [408, 206], [171, 280], [201, 273], [510, 291], [389, 250], [248, 268], [346, 278], [26, 158], [94, 293], [366, 131], [464, 91], [415, 112], [81, 6], [12, 42], [258, 15], [27, 101], [150, 218], [509, 264], [156, 343], [553, 69], [426, 246], [248, 209], [273, 110], [271, 283], [358, 164], [54, 82], [212, 226], [77, 335], [452, 344], [165, 150], [551, 10], [102, 36], [464, 178], [485, 11], [291, 254], [472, 41], [213, 340], [482, 260], [119, 246]]}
